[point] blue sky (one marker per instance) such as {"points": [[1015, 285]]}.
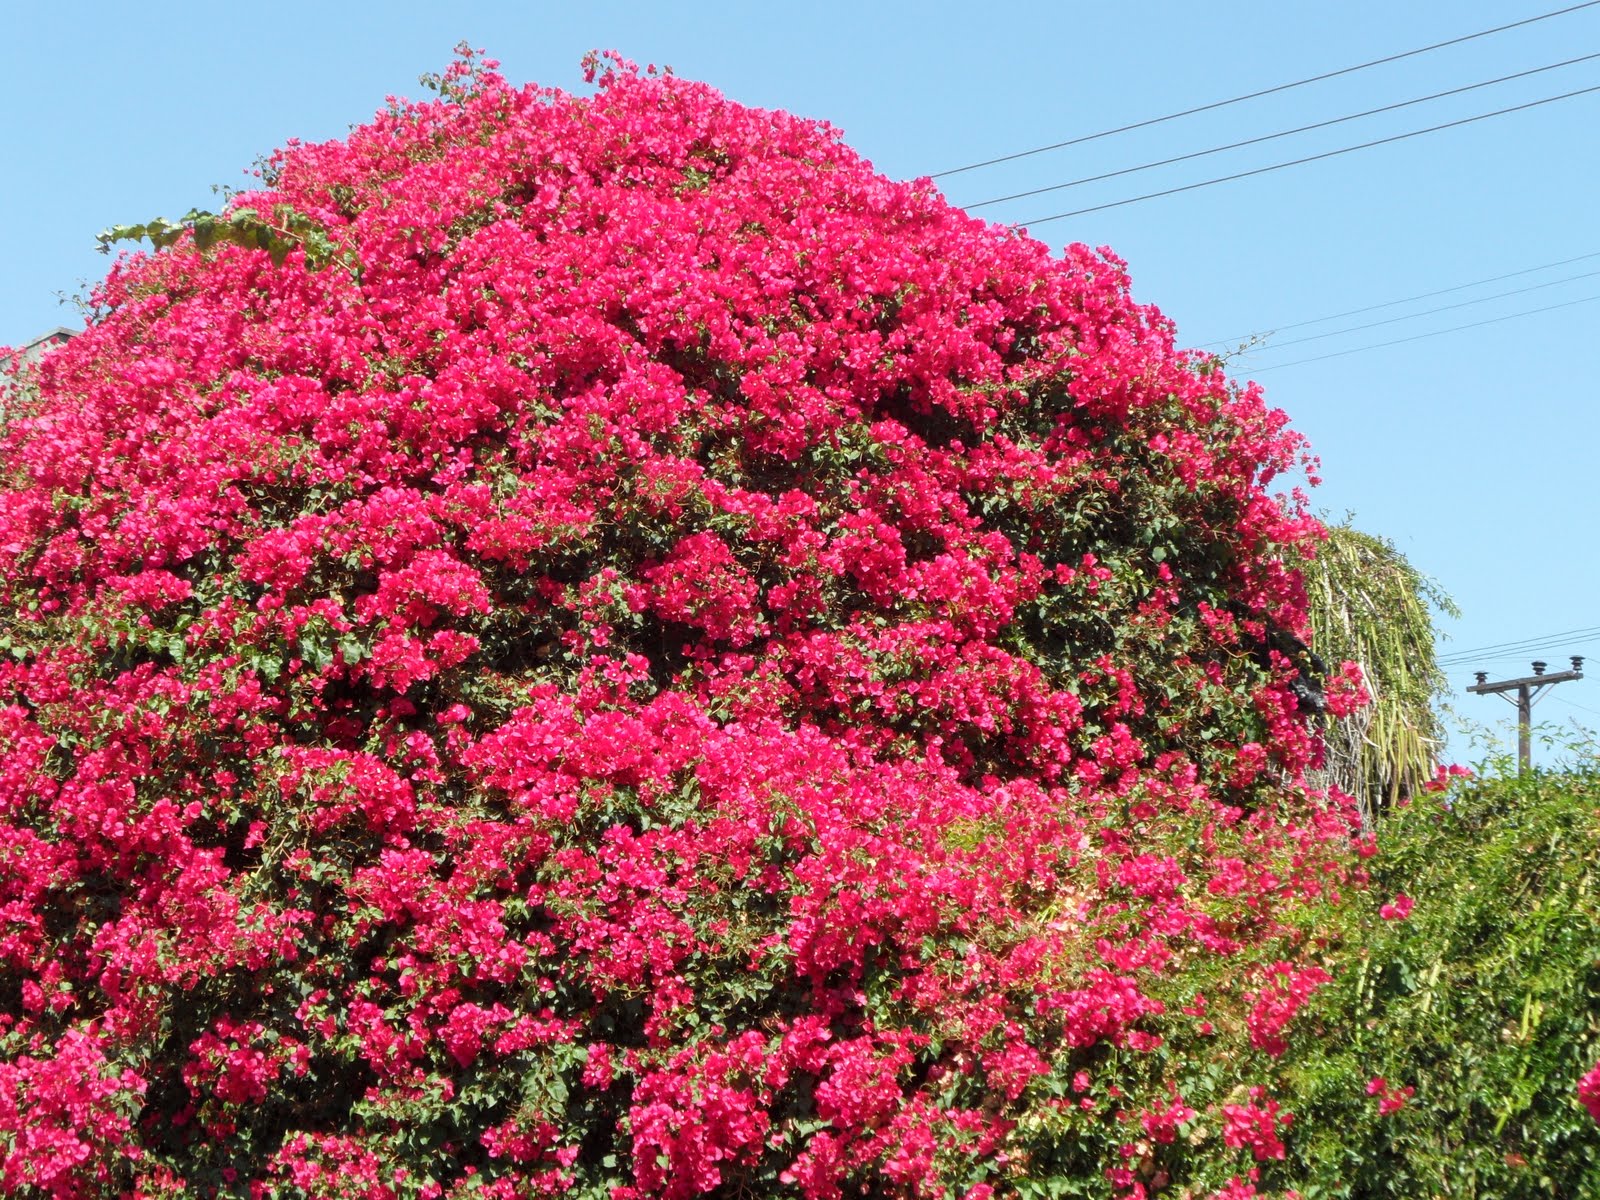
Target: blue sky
{"points": [[1470, 450]]}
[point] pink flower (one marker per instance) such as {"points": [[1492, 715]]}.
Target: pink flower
{"points": [[1589, 1092], [1346, 691], [1255, 1125], [1445, 774], [604, 617], [1397, 909], [1390, 1100]]}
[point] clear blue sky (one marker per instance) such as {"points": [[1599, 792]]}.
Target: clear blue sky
{"points": [[1472, 450]]}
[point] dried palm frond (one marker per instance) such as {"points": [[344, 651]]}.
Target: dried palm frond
{"points": [[1369, 605]]}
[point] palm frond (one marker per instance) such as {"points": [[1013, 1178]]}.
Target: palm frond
{"points": [[1369, 605]]}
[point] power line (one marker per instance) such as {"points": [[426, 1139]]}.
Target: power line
{"points": [[1565, 645], [1504, 662], [1355, 312], [1435, 333], [1522, 643], [1428, 312], [1282, 87], [1282, 133], [1399, 137], [1575, 704], [1522, 659], [1519, 647]]}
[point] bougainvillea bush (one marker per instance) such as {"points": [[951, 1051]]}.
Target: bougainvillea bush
{"points": [[595, 645]]}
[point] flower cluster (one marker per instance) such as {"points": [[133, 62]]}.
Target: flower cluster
{"points": [[1286, 992], [1397, 909], [1347, 690], [642, 658], [1589, 1092], [1254, 1125], [1390, 1099]]}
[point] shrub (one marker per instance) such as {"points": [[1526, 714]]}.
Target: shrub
{"points": [[1473, 1015], [593, 645]]}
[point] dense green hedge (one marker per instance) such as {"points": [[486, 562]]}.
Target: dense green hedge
{"points": [[1486, 1001]]}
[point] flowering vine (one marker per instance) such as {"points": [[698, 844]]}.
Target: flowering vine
{"points": [[615, 651]]}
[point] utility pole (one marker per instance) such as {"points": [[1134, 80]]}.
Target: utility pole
{"points": [[1528, 689]]}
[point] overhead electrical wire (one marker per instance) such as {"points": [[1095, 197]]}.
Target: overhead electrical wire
{"points": [[1428, 312], [1310, 158], [1522, 643], [1505, 664], [1575, 704], [1282, 87], [1420, 336], [1542, 641], [1355, 312], [1282, 133], [1523, 655], [1514, 664], [1501, 668]]}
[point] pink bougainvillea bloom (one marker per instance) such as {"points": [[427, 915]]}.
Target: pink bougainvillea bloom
{"points": [[1397, 909], [1589, 1092], [1347, 690], [1390, 1099], [593, 643], [1445, 774], [1254, 1125]]}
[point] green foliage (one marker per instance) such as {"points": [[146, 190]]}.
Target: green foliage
{"points": [[1370, 606], [284, 231], [1486, 1001]]}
